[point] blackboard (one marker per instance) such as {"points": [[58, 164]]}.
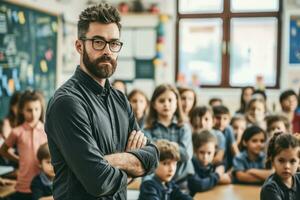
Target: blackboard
{"points": [[28, 48]]}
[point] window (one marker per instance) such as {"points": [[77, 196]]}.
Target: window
{"points": [[228, 43]]}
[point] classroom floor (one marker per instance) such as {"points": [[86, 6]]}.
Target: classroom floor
{"points": [[132, 194]]}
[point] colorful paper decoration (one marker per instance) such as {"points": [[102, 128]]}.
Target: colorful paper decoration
{"points": [[160, 43]]}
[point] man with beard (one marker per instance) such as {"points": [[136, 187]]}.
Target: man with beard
{"points": [[95, 143]]}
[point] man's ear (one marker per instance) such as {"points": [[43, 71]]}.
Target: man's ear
{"points": [[79, 46]]}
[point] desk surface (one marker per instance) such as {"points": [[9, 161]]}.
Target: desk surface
{"points": [[7, 190], [6, 169], [230, 192], [135, 185]]}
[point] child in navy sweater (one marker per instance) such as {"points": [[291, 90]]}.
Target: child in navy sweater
{"points": [[160, 186], [206, 174], [41, 185]]}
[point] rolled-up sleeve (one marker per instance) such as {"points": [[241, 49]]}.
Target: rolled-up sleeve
{"points": [[185, 143], [68, 126], [148, 155]]}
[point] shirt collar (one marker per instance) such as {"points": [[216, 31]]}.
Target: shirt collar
{"points": [[90, 83], [282, 185], [45, 180], [174, 122], [261, 155]]}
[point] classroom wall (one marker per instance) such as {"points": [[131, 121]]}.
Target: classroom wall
{"points": [[289, 73]]}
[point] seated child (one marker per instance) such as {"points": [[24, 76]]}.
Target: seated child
{"points": [[215, 101], [41, 185], [277, 123], [160, 185], [238, 123], [288, 101], [256, 111], [201, 117], [188, 100], [221, 123], [285, 159], [206, 174], [120, 85], [249, 165], [139, 103]]}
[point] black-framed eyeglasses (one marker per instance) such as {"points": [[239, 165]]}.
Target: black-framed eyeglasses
{"points": [[99, 44]]}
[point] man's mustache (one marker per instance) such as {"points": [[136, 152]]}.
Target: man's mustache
{"points": [[104, 58]]}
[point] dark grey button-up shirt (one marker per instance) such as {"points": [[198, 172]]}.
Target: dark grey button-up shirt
{"points": [[84, 122], [275, 189]]}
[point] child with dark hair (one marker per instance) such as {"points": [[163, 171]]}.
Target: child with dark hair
{"points": [[215, 101], [221, 122], [161, 185], [259, 94], [207, 175], [277, 123], [41, 185], [139, 103], [249, 165], [10, 121], [289, 102], [245, 98], [284, 156], [201, 117], [27, 136], [239, 124], [188, 100]]}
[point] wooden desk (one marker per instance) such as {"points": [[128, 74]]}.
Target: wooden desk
{"points": [[7, 190], [230, 192], [135, 185]]}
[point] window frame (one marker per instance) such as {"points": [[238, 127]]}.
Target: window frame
{"points": [[226, 15]]}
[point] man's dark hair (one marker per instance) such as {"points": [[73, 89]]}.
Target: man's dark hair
{"points": [[102, 13], [285, 94]]}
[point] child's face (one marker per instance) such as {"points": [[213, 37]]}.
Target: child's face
{"points": [[286, 163], [277, 127], [47, 168], [257, 111], [221, 121], [139, 105], [166, 170], [205, 122], [256, 143], [187, 100], [205, 154], [239, 127], [247, 95], [166, 104], [32, 111], [289, 104], [120, 86]]}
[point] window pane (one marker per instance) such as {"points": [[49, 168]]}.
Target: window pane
{"points": [[253, 51], [200, 56], [254, 5], [200, 6]]}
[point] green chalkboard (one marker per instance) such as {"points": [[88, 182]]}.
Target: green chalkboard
{"points": [[28, 46]]}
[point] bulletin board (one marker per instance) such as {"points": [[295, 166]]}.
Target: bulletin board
{"points": [[294, 43], [28, 51]]}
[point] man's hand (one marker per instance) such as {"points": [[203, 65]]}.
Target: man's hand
{"points": [[136, 140]]}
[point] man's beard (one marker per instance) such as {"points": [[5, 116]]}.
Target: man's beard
{"points": [[97, 69]]}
